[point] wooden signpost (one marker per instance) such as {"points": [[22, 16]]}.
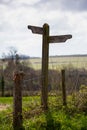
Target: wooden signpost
{"points": [[45, 56]]}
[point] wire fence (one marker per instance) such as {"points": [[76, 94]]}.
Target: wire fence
{"points": [[75, 81]]}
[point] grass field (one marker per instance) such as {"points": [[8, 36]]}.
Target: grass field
{"points": [[58, 62], [34, 118]]}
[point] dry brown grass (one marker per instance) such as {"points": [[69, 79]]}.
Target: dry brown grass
{"points": [[3, 107]]}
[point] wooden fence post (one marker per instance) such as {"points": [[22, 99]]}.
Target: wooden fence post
{"points": [[2, 86], [17, 104], [63, 87]]}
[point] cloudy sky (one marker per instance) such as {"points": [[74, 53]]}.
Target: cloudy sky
{"points": [[63, 17]]}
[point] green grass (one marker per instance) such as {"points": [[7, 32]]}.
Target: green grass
{"points": [[6, 100], [34, 118]]}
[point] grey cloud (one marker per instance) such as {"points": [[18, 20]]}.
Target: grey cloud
{"points": [[68, 5], [76, 5], [10, 3], [5, 2], [17, 3]]}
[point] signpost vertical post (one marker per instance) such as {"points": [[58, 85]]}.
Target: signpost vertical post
{"points": [[45, 58]]}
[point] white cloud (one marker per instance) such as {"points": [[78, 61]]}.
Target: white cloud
{"points": [[15, 15], [29, 2]]}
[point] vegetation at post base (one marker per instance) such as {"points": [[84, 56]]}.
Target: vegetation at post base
{"points": [[58, 120], [58, 117]]}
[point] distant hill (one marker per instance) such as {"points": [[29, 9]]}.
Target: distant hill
{"points": [[22, 57], [25, 57], [76, 55]]}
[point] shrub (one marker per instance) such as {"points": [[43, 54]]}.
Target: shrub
{"points": [[81, 99]]}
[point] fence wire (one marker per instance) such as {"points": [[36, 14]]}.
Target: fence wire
{"points": [[75, 81]]}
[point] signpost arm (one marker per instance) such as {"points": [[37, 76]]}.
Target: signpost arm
{"points": [[45, 58]]}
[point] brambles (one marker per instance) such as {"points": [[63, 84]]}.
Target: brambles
{"points": [[81, 99], [56, 117]]}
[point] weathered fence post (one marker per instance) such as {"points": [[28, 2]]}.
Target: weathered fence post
{"points": [[63, 87], [2, 86], [17, 95]]}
